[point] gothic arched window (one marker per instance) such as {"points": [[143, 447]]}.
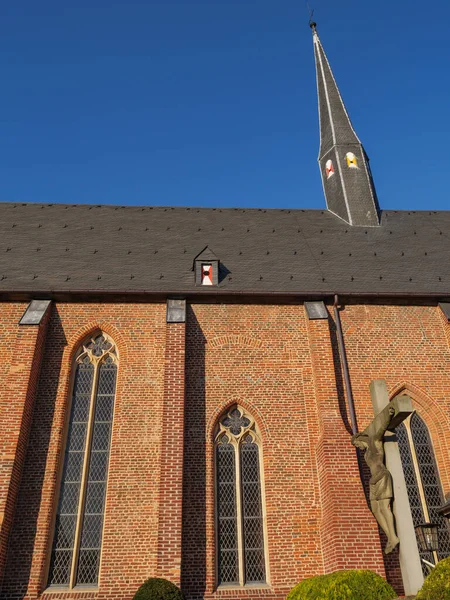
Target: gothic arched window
{"points": [[422, 480], [75, 558], [240, 509]]}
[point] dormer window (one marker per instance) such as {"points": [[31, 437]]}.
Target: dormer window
{"points": [[206, 268]]}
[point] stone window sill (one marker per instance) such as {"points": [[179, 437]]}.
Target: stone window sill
{"points": [[63, 591], [244, 588]]}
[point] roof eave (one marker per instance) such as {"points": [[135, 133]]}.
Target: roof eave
{"points": [[200, 294]]}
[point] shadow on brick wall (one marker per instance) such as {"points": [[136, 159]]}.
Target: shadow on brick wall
{"points": [[340, 388], [193, 570], [27, 544]]}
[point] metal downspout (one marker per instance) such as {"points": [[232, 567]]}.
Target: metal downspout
{"points": [[343, 355]]}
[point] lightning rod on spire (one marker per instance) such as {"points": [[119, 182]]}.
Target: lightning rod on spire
{"points": [[312, 23]]}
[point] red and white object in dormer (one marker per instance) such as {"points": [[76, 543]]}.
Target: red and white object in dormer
{"points": [[207, 275]]}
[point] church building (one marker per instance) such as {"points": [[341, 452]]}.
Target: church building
{"points": [[180, 388]]}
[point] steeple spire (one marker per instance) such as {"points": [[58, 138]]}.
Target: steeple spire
{"points": [[344, 165]]}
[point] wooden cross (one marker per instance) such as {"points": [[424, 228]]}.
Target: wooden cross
{"points": [[385, 421]]}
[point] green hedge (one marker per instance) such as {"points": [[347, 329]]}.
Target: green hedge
{"points": [[158, 589], [437, 584], [343, 585]]}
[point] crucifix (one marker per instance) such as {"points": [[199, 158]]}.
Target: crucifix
{"points": [[371, 440]]}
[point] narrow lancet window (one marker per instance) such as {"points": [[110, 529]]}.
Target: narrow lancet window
{"points": [[77, 539], [252, 515], [240, 509], [226, 512], [422, 480]]}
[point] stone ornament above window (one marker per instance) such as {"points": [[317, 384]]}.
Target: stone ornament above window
{"points": [[235, 421], [97, 348], [235, 424]]}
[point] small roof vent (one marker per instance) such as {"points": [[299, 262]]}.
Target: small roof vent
{"points": [[206, 268]]}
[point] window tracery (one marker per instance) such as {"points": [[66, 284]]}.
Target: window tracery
{"points": [[75, 558], [240, 509]]}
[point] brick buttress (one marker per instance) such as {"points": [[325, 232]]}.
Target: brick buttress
{"points": [[171, 477], [349, 532], [15, 420]]}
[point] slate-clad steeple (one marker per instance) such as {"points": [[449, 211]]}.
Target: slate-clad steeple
{"points": [[344, 165]]}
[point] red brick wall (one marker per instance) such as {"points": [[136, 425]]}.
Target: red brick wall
{"points": [[253, 357], [10, 314], [408, 346], [262, 358], [131, 523], [349, 533], [282, 369]]}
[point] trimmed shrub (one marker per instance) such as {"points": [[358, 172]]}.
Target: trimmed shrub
{"points": [[437, 584], [158, 589], [343, 585]]}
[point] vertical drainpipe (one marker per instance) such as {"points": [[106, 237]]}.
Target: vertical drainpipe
{"points": [[343, 355]]}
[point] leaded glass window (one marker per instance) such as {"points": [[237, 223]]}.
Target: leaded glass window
{"points": [[226, 511], [422, 481], [75, 559], [240, 509]]}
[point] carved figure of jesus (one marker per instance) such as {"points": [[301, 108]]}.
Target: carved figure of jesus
{"points": [[381, 492]]}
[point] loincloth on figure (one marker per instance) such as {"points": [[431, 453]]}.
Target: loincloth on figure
{"points": [[382, 489]]}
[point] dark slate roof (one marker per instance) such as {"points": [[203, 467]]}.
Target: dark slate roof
{"points": [[75, 248], [206, 254], [335, 125]]}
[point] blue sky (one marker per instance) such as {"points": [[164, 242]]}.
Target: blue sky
{"points": [[213, 102]]}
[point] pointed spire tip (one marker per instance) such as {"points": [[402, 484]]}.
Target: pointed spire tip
{"points": [[313, 26]]}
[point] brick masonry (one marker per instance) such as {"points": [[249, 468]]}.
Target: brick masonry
{"points": [[20, 380], [285, 371], [346, 519], [172, 452]]}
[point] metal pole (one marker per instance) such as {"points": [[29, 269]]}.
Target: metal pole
{"points": [[343, 354]]}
